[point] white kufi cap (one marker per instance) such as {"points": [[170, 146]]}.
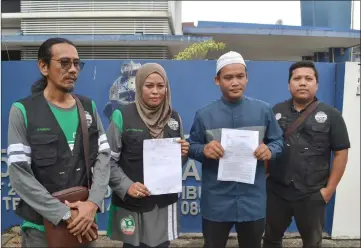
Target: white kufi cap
{"points": [[229, 58]]}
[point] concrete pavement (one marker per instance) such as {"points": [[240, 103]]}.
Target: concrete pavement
{"points": [[12, 239]]}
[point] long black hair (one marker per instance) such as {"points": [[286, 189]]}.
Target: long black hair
{"points": [[44, 54]]}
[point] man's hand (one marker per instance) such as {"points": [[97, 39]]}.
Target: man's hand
{"points": [[184, 146], [326, 194], [85, 219], [90, 235], [74, 214], [262, 152], [138, 190], [213, 150]]}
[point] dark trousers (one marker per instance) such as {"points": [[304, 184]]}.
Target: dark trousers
{"points": [[216, 234], [309, 214], [163, 245]]}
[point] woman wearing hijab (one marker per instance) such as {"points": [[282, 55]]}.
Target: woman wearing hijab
{"points": [[136, 218]]}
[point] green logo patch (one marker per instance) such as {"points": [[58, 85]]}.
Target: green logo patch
{"points": [[127, 225]]}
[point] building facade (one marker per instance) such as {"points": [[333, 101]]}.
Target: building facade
{"points": [[115, 29], [94, 24], [356, 54]]}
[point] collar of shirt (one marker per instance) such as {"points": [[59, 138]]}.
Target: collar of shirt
{"points": [[232, 104], [293, 107]]}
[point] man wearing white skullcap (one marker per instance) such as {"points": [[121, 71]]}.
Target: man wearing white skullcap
{"points": [[230, 203], [229, 58]]}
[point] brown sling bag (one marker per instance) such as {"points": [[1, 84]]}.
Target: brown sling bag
{"points": [[295, 125], [59, 236]]}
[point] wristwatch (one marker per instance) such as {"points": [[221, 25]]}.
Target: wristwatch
{"points": [[67, 215]]}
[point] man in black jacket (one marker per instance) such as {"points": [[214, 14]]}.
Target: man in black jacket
{"points": [[300, 183]]}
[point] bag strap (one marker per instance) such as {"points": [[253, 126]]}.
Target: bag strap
{"points": [[301, 119], [294, 126], [85, 136]]}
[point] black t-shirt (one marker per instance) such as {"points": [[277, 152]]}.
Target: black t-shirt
{"points": [[339, 140]]}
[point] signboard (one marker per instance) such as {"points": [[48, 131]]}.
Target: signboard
{"points": [[8, 195], [188, 201], [111, 83]]}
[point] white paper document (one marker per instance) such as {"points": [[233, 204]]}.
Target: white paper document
{"points": [[238, 163], [162, 165]]}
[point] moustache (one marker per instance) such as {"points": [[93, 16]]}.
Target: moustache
{"points": [[71, 78]]}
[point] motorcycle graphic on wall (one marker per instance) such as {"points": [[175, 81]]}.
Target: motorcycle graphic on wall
{"points": [[122, 91]]}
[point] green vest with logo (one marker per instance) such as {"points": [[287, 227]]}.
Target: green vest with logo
{"points": [[53, 163], [131, 158]]}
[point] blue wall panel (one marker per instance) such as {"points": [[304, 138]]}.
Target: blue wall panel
{"points": [[192, 86]]}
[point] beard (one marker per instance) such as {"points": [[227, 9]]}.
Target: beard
{"points": [[70, 90], [65, 89]]}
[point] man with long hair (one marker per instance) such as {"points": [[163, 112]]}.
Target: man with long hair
{"points": [[45, 149]]}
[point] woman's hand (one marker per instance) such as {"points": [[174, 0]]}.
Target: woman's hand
{"points": [[184, 147], [138, 190]]}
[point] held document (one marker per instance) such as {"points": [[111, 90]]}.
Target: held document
{"points": [[238, 163], [162, 165]]}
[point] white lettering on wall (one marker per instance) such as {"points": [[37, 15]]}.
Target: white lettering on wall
{"points": [[189, 198]]}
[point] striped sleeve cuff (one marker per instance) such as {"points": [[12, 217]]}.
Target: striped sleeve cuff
{"points": [[103, 143], [114, 155], [19, 153]]}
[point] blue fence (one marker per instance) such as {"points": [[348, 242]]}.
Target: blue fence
{"points": [[192, 86]]}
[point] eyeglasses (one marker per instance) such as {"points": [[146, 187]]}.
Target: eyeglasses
{"points": [[66, 63]]}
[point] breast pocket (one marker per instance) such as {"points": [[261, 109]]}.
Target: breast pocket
{"points": [[44, 149], [133, 145], [319, 135]]}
